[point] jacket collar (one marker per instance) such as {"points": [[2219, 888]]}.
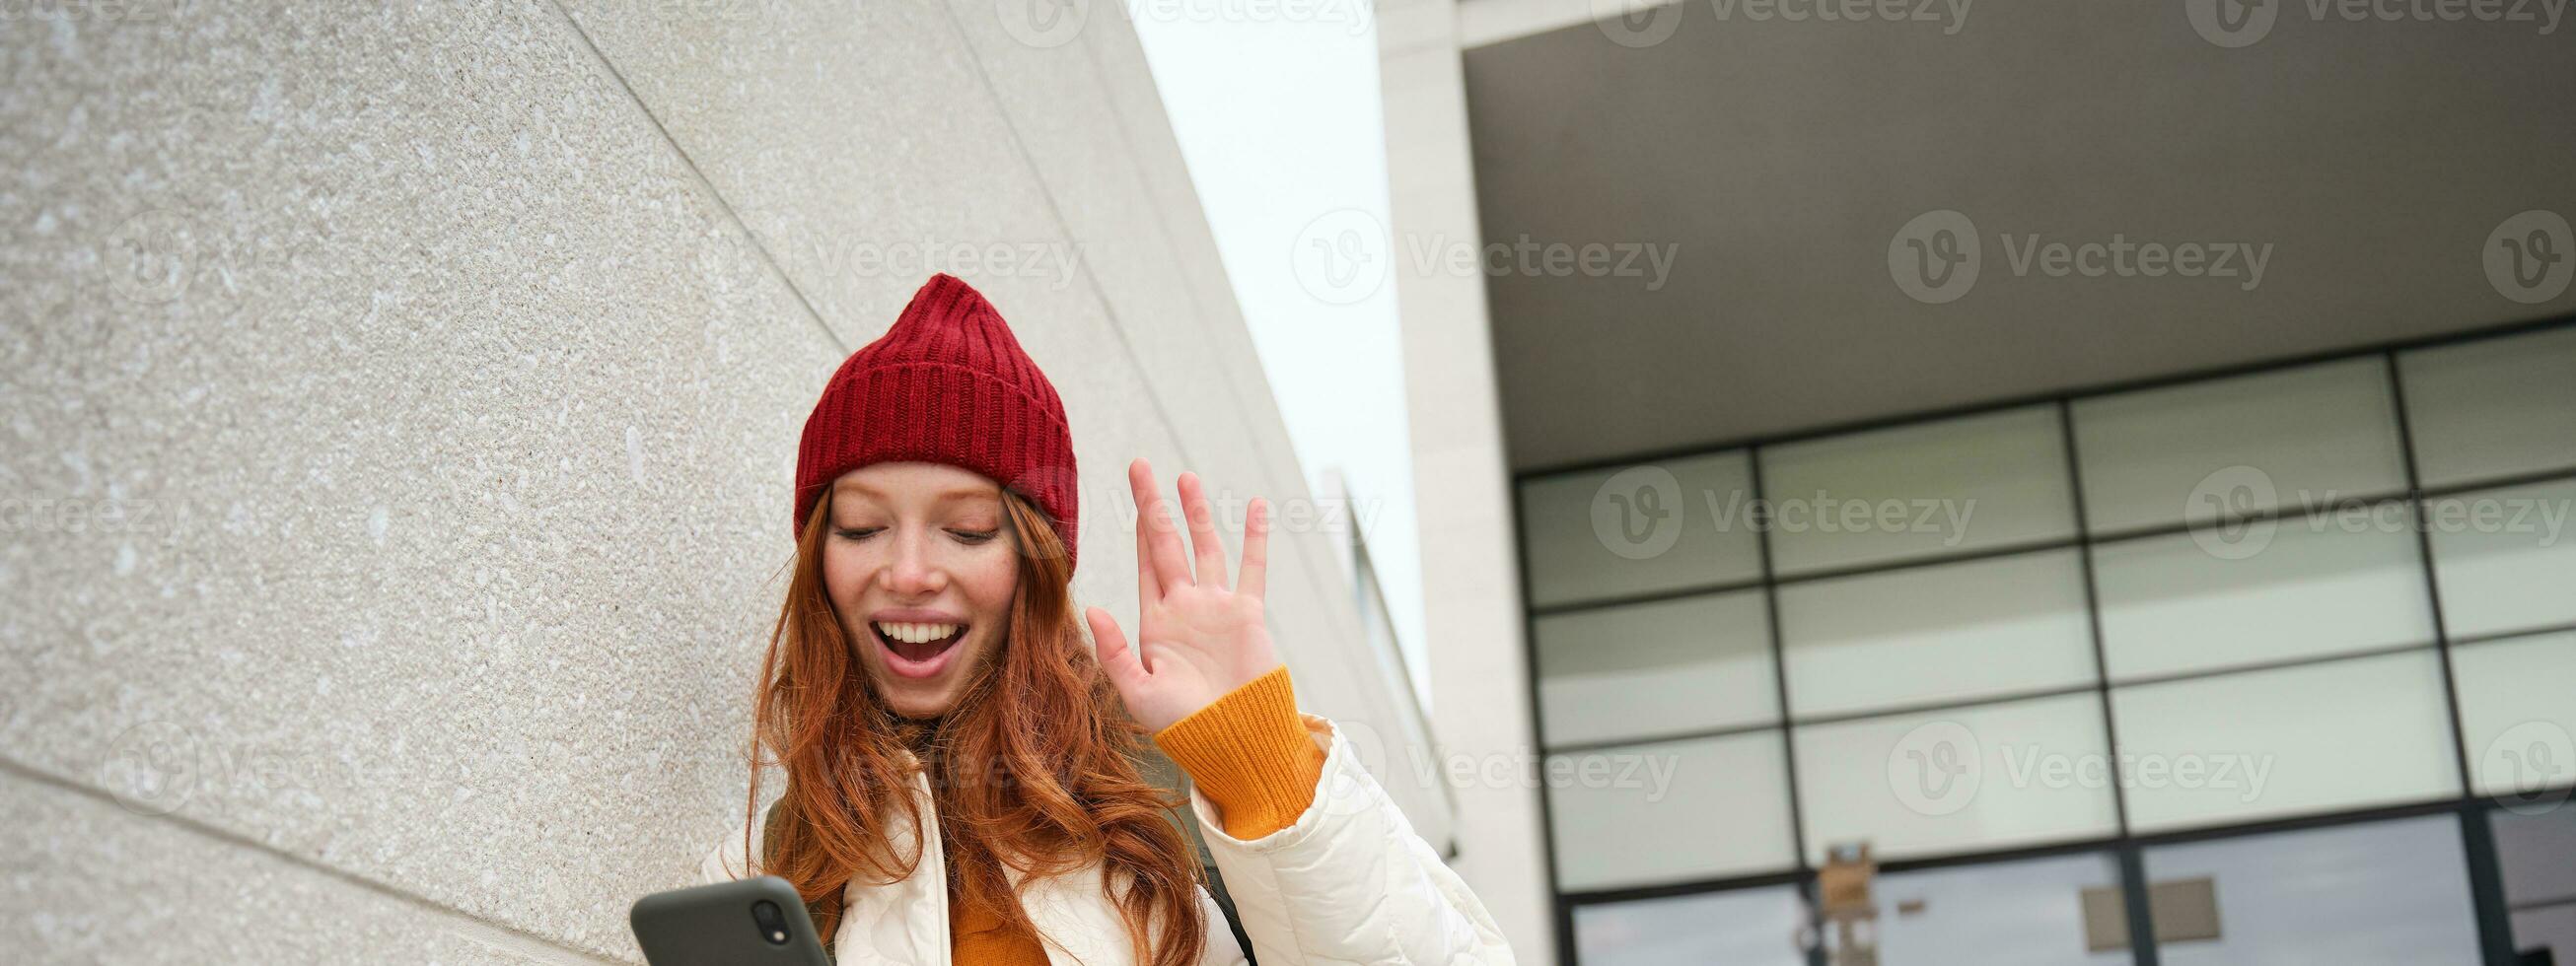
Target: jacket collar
{"points": [[907, 922]]}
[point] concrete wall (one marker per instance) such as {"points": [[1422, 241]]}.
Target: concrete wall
{"points": [[400, 404], [1471, 584]]}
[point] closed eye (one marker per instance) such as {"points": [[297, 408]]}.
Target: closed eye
{"points": [[974, 536], [856, 533]]}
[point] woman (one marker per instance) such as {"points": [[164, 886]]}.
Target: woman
{"points": [[926, 672]]}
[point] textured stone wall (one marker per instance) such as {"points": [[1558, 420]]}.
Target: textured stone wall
{"points": [[400, 400]]}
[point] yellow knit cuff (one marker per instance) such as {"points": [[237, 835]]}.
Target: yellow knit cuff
{"points": [[1249, 753]]}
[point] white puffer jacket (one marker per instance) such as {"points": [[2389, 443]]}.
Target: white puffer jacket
{"points": [[1347, 883]]}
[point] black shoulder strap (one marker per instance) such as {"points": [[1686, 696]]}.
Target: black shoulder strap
{"points": [[1233, 922], [1197, 842]]}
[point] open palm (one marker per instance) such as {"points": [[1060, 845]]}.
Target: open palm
{"points": [[1195, 639]]}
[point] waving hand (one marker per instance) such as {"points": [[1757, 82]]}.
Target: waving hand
{"points": [[1196, 638]]}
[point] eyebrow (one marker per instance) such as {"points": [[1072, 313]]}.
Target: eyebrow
{"points": [[963, 492]]}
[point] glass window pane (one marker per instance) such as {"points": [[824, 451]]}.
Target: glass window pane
{"points": [[2385, 892], [2536, 852], [2009, 914], [2312, 586], [2537, 855], [2324, 737], [1948, 631], [2550, 927], [1959, 780], [1918, 491], [2517, 716], [1656, 669], [1750, 926], [1670, 811], [2504, 557], [2301, 437], [2494, 407], [1641, 529]]}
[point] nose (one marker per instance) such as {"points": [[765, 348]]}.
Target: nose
{"points": [[913, 572]]}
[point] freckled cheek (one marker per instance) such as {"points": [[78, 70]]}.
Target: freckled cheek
{"points": [[990, 584], [846, 573]]}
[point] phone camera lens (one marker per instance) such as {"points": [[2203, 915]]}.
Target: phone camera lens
{"points": [[772, 922]]}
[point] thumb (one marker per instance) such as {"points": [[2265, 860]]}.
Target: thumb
{"points": [[1116, 659]]}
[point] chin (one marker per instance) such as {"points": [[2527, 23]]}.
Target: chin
{"points": [[920, 710]]}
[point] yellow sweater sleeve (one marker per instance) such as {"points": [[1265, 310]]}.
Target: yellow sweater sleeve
{"points": [[1249, 753]]}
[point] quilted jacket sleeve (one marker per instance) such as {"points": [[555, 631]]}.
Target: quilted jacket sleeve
{"points": [[729, 860], [1348, 881]]}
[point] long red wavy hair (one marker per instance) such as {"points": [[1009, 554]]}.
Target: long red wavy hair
{"points": [[1045, 779]]}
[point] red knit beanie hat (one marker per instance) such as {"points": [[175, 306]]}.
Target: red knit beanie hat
{"points": [[948, 384]]}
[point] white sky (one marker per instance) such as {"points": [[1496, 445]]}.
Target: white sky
{"points": [[1276, 107]]}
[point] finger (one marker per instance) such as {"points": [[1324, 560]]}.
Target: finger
{"points": [[1256, 548], [1117, 660], [1163, 537], [1203, 540], [1148, 588]]}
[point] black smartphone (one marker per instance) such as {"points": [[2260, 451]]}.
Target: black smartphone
{"points": [[757, 920]]}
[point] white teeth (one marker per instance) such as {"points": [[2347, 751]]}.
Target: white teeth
{"points": [[915, 633]]}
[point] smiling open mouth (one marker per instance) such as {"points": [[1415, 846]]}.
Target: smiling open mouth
{"points": [[916, 649]]}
